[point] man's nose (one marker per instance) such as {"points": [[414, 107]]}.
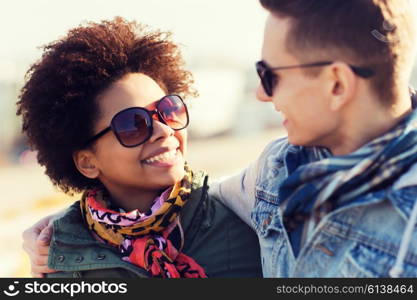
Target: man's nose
{"points": [[261, 95]]}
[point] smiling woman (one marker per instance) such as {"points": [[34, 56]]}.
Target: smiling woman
{"points": [[103, 108], [144, 149]]}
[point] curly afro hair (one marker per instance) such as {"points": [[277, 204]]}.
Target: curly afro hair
{"points": [[58, 102]]}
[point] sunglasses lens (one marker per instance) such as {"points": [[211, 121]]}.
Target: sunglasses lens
{"points": [[132, 126], [268, 82], [173, 111], [268, 79]]}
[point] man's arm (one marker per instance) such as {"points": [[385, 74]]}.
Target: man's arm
{"points": [[238, 192]]}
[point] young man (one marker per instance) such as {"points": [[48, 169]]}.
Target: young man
{"points": [[338, 196]]}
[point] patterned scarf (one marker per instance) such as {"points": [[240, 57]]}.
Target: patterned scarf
{"points": [[151, 240], [315, 188]]}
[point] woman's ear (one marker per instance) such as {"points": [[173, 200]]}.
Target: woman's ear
{"points": [[85, 162]]}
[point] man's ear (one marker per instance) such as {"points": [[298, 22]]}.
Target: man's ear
{"points": [[343, 85], [85, 162]]}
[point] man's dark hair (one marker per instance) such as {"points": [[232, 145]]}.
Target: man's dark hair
{"points": [[378, 34]]}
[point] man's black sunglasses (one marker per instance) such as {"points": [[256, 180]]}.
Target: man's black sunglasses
{"points": [[269, 80], [133, 126]]}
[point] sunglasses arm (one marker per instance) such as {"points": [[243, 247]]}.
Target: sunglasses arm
{"points": [[98, 135]]}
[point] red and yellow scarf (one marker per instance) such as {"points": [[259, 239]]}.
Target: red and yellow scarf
{"points": [[152, 241]]}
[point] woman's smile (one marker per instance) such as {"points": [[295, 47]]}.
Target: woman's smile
{"points": [[166, 158]]}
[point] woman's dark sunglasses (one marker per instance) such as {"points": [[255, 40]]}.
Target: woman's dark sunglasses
{"points": [[133, 126], [269, 80]]}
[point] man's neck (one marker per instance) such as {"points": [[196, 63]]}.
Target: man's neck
{"points": [[367, 120]]}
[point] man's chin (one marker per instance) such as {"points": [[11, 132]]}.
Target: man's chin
{"points": [[297, 141], [293, 140]]}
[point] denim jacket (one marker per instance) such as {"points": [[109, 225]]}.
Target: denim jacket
{"points": [[375, 236]]}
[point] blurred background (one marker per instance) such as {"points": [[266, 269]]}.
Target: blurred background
{"points": [[220, 41]]}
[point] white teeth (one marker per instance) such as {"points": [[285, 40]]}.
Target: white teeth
{"points": [[166, 156]]}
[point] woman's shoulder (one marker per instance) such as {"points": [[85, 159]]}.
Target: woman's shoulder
{"points": [[74, 252]]}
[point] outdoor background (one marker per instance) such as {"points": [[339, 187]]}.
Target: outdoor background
{"points": [[220, 40]]}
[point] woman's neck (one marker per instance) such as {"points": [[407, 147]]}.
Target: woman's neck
{"points": [[131, 199]]}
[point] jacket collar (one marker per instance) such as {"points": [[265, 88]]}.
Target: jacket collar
{"points": [[403, 194]]}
